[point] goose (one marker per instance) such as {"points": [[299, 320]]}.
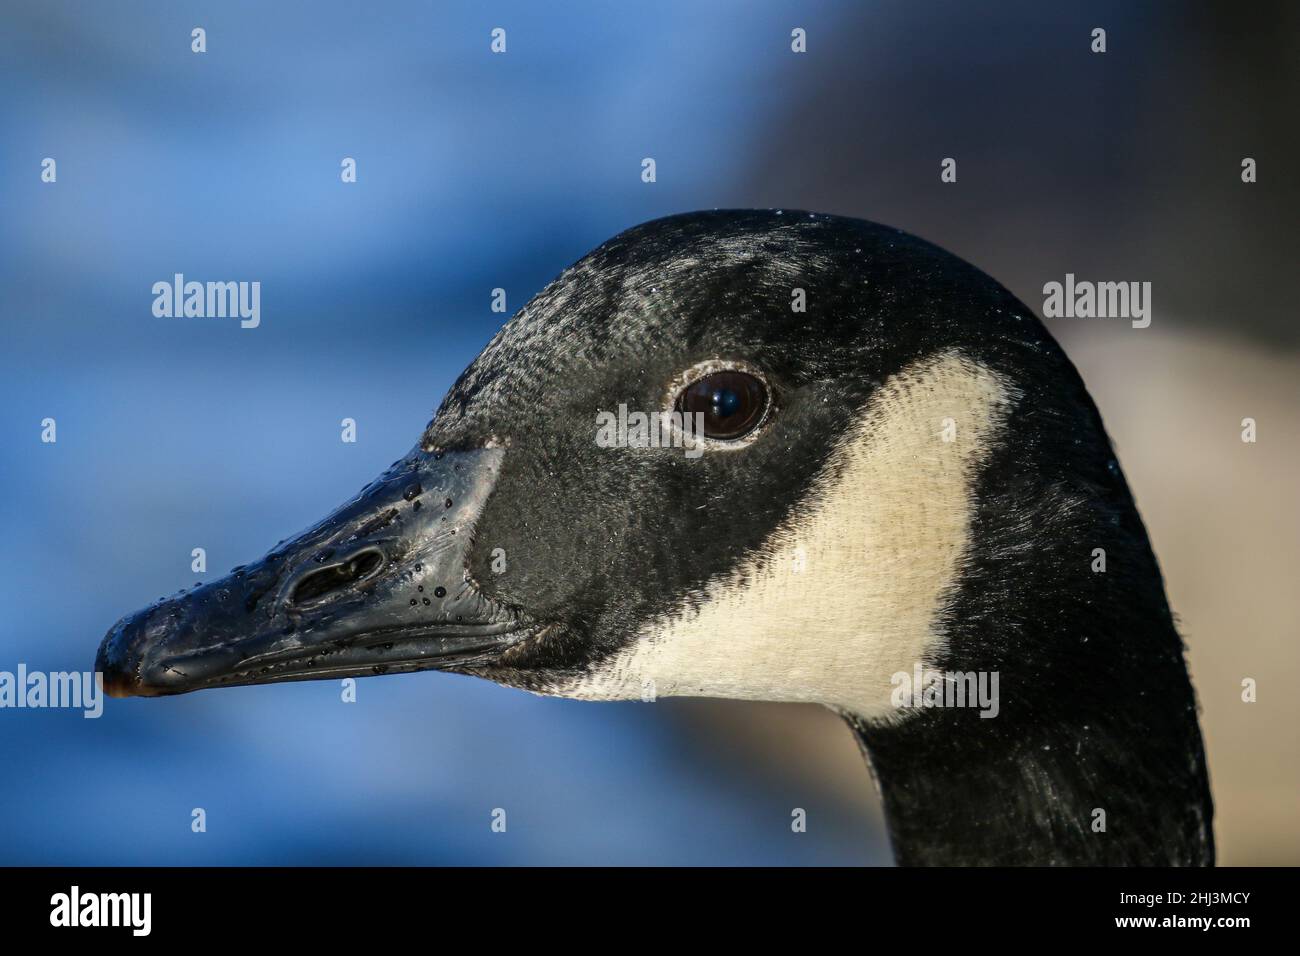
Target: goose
{"points": [[897, 472]]}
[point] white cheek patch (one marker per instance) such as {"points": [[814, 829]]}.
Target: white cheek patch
{"points": [[850, 588]]}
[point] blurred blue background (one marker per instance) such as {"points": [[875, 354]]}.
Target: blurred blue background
{"points": [[476, 171]]}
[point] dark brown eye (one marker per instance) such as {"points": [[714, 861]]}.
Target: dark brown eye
{"points": [[733, 403]]}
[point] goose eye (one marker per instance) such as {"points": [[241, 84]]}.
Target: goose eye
{"points": [[733, 403]]}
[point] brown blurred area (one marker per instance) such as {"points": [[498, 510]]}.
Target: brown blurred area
{"points": [[1224, 517], [1122, 166]]}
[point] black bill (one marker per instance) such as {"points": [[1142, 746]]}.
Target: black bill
{"points": [[380, 586]]}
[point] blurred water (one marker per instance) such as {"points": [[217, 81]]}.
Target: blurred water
{"points": [[475, 172]]}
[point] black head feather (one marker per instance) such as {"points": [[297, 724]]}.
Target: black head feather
{"points": [[1098, 711]]}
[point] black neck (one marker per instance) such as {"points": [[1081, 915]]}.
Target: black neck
{"points": [[1095, 713], [959, 790]]}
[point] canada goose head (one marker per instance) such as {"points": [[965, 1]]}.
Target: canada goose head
{"points": [[880, 466]]}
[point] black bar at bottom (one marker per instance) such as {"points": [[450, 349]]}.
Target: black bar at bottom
{"points": [[304, 905]]}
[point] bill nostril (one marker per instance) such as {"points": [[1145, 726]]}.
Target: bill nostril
{"points": [[320, 584]]}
